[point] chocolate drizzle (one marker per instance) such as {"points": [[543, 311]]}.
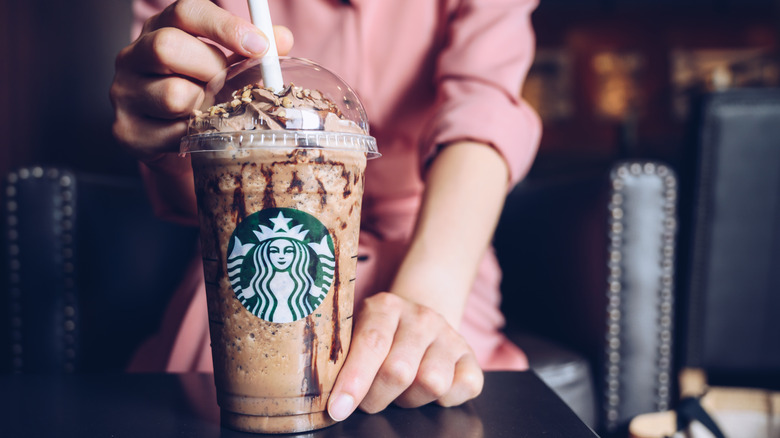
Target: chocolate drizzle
{"points": [[212, 186], [310, 386], [296, 184], [323, 193], [347, 177], [268, 194], [239, 203], [335, 342]]}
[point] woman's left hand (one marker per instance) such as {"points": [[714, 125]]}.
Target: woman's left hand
{"points": [[405, 353]]}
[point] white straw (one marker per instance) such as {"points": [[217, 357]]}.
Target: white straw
{"points": [[269, 67]]}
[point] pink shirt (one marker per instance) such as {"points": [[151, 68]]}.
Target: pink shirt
{"points": [[429, 72]]}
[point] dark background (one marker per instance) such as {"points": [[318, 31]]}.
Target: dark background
{"points": [[633, 110], [56, 69], [615, 92]]}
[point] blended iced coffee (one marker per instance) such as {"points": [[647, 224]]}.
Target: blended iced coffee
{"points": [[279, 182]]}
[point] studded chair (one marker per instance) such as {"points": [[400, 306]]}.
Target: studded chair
{"points": [[588, 262], [728, 294], [87, 268]]}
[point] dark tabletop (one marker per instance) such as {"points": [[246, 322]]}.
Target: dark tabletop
{"points": [[513, 404]]}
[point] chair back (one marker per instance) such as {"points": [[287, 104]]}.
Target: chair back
{"points": [[88, 270], [588, 261], [731, 313]]}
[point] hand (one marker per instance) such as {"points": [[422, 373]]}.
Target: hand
{"points": [[160, 77], [405, 353]]}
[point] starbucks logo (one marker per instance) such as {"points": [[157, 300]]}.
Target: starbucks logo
{"points": [[281, 264]]}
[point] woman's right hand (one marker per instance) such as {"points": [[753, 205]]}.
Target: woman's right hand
{"points": [[160, 77]]}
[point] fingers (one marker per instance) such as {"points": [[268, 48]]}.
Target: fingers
{"points": [[407, 353], [172, 51], [449, 374], [147, 138], [468, 382], [284, 40], [165, 97], [373, 335], [417, 350], [204, 19], [434, 377], [171, 41], [284, 43], [150, 113], [160, 77]]}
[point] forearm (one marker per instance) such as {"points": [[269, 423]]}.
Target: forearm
{"points": [[465, 191]]}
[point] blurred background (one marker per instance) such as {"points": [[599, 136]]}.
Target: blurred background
{"points": [[611, 78], [619, 77], [58, 63]]}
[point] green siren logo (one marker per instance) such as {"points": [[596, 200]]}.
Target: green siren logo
{"points": [[281, 264]]}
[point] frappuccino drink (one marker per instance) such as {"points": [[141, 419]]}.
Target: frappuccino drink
{"points": [[279, 182]]}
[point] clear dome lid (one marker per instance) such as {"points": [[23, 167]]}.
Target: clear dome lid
{"points": [[314, 102], [303, 75]]}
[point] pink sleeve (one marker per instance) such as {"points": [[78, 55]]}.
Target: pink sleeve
{"points": [[479, 75]]}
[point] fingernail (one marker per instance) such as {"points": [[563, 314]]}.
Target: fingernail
{"points": [[341, 407], [254, 43]]}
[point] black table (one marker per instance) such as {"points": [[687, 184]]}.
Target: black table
{"points": [[513, 404]]}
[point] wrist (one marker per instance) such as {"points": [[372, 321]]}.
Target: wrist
{"points": [[168, 163], [171, 188]]}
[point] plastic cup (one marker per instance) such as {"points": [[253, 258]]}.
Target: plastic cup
{"points": [[279, 221]]}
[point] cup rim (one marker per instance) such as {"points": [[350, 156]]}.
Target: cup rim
{"points": [[235, 141]]}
